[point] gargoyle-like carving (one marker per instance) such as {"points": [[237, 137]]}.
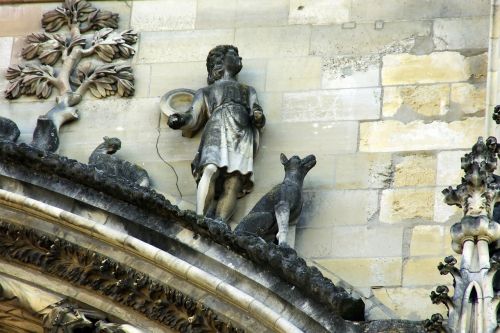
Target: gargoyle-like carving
{"points": [[449, 268], [122, 284], [270, 217], [102, 159], [435, 324], [72, 81], [232, 117]]}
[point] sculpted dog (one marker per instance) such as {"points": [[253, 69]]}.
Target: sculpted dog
{"points": [[270, 217]]}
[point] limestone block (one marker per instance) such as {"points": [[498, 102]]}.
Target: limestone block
{"points": [[366, 272], [449, 171], [338, 207], [350, 72], [398, 205], [389, 10], [5, 52], [142, 79], [428, 240], [313, 243], [190, 45], [362, 171], [391, 135], [20, 20], [346, 241], [433, 68], [419, 308], [424, 272], [314, 138], [415, 170], [364, 39], [319, 12], [468, 98], [331, 105], [269, 42], [463, 32], [478, 66], [151, 15], [428, 101], [168, 76], [444, 212], [272, 103], [240, 13]]}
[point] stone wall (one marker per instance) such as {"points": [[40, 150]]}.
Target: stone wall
{"points": [[386, 93]]}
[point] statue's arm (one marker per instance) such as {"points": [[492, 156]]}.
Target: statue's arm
{"points": [[194, 118], [259, 119]]}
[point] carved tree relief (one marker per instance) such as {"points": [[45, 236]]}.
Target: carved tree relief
{"points": [[72, 79]]}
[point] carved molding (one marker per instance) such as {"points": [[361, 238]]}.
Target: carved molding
{"points": [[282, 261], [122, 284]]}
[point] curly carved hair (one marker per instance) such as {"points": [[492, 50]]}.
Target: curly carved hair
{"points": [[215, 62]]}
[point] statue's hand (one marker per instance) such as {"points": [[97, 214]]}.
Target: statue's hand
{"points": [[176, 121]]}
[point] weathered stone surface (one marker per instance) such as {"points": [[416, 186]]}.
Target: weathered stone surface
{"points": [[433, 68], [322, 246], [190, 45], [478, 66], [428, 240], [280, 137], [331, 105], [389, 10], [289, 74], [240, 13], [424, 272], [169, 76], [254, 74], [415, 170], [344, 246], [17, 20], [273, 42], [272, 103], [350, 72], [364, 39], [468, 98], [449, 170], [142, 80], [362, 171], [419, 308], [462, 33], [428, 101], [391, 135], [5, 52], [398, 205], [149, 15], [319, 12], [444, 212], [366, 272], [335, 208]]}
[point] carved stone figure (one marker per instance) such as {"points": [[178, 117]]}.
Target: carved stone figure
{"points": [[103, 327], [72, 81], [270, 217], [102, 159], [232, 117], [8, 130]]}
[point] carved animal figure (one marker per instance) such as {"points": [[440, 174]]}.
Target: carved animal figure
{"points": [[103, 160], [270, 217]]}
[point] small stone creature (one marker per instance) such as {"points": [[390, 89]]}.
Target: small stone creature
{"points": [[103, 160], [270, 217]]}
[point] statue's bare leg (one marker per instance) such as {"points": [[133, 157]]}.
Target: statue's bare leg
{"points": [[227, 202], [206, 188]]}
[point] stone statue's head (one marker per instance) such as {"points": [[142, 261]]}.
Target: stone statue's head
{"points": [[222, 57], [112, 145]]}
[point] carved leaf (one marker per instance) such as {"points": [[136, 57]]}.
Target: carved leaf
{"points": [[53, 20], [109, 48], [47, 47], [106, 80], [29, 80]]}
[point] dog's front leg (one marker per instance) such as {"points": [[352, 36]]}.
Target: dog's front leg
{"points": [[282, 211]]}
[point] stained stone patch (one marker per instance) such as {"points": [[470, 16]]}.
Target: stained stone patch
{"points": [[363, 171], [423, 272], [319, 12], [415, 170], [463, 33], [350, 72], [428, 101], [399, 205], [428, 240], [391, 135], [468, 98], [433, 68]]}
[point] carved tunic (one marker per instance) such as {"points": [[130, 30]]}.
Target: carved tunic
{"points": [[229, 139]]}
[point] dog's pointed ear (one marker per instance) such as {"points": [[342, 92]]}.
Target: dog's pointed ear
{"points": [[283, 159], [105, 138]]}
